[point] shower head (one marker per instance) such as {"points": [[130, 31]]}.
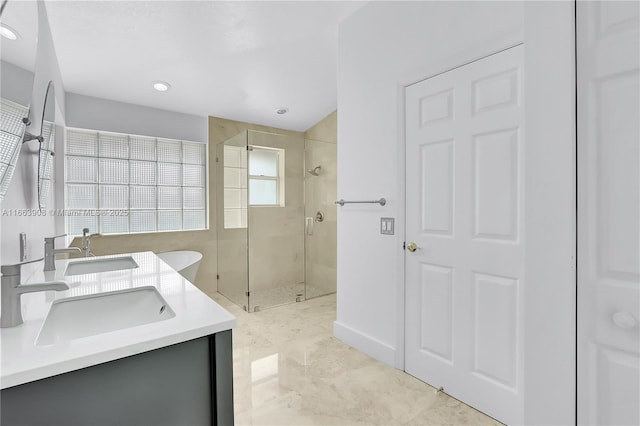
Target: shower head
{"points": [[315, 171]]}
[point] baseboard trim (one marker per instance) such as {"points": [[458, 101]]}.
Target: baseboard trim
{"points": [[364, 343]]}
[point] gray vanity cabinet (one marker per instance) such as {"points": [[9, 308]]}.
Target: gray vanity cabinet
{"points": [[190, 383]]}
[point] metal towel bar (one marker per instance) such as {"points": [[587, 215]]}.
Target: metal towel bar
{"points": [[381, 201]]}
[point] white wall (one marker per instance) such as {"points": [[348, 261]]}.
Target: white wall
{"points": [[388, 45], [382, 47], [47, 69], [102, 114]]}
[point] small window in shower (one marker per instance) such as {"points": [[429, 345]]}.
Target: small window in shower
{"points": [[266, 176]]}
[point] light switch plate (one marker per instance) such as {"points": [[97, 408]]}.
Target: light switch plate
{"points": [[387, 225]]}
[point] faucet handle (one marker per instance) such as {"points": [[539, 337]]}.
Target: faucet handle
{"points": [[49, 239], [9, 270]]}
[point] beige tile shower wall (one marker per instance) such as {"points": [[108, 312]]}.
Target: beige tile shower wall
{"points": [[321, 192], [325, 130], [276, 234], [221, 129]]}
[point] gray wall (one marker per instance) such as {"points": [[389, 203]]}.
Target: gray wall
{"points": [[101, 114], [15, 83]]}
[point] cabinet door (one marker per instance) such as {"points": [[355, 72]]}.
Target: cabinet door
{"points": [[189, 383]]}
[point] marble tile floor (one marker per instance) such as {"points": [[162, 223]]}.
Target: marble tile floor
{"points": [[290, 370]]}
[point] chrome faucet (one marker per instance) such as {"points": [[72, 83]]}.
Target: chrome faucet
{"points": [[86, 240], [12, 290], [50, 252]]}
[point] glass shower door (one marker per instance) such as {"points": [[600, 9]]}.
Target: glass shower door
{"points": [[232, 223], [320, 218]]}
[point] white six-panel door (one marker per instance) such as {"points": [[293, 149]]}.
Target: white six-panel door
{"points": [[465, 212], [608, 52]]}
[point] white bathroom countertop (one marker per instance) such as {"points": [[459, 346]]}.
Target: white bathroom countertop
{"points": [[196, 315]]}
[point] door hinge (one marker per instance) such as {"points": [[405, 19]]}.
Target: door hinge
{"points": [[404, 245], [248, 294], [217, 276], [217, 160]]}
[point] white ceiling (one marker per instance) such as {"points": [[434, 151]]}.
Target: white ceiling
{"points": [[239, 60], [21, 16]]}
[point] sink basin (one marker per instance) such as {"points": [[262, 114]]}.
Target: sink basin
{"points": [[82, 316], [94, 266]]}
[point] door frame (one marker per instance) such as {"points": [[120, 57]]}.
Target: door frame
{"points": [[545, 46]]}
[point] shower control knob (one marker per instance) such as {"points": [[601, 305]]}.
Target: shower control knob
{"points": [[412, 247]]}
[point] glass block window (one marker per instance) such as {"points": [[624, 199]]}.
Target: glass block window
{"points": [[266, 169], [235, 187], [11, 131], [118, 184]]}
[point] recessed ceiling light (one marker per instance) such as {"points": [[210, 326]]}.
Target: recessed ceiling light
{"points": [[282, 110], [8, 32], [161, 86]]}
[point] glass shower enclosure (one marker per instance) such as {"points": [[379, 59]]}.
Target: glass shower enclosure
{"points": [[260, 219]]}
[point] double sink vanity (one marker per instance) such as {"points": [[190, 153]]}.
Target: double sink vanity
{"points": [[129, 341]]}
